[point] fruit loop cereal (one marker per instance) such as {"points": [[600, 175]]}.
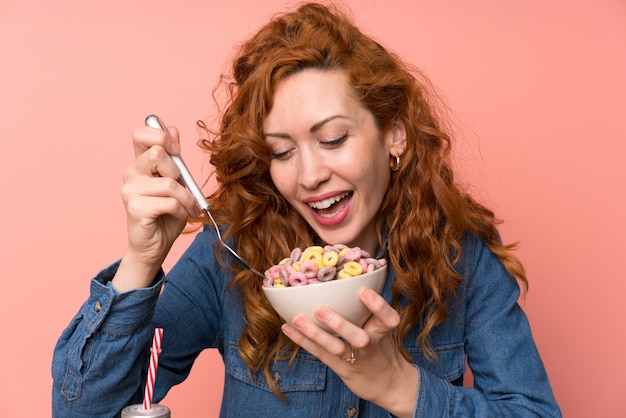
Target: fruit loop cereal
{"points": [[319, 264]]}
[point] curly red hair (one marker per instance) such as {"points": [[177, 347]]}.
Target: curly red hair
{"points": [[424, 213]]}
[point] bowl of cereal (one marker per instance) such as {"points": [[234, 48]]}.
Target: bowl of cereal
{"points": [[331, 276]]}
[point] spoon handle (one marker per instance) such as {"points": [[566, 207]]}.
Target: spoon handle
{"points": [[153, 121]]}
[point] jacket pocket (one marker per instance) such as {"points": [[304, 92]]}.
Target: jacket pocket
{"points": [[305, 373], [449, 363]]}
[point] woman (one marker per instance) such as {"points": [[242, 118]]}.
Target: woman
{"points": [[327, 138]]}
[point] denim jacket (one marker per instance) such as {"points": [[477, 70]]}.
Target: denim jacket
{"points": [[100, 360]]}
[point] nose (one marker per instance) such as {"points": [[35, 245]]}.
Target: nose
{"points": [[314, 170]]}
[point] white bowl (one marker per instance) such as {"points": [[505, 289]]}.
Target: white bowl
{"points": [[341, 295]]}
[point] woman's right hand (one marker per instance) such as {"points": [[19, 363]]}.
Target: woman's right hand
{"points": [[157, 207]]}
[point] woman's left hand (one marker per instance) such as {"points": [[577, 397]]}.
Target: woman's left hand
{"points": [[366, 359]]}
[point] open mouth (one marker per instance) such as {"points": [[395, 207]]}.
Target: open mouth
{"points": [[327, 208]]}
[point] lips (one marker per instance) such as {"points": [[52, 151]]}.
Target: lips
{"points": [[331, 210], [327, 203]]}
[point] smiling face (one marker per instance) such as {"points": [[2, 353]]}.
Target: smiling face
{"points": [[329, 160]]}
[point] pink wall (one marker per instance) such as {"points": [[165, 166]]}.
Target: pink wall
{"points": [[538, 92]]}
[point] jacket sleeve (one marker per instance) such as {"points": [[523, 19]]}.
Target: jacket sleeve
{"points": [[100, 359], [509, 376]]}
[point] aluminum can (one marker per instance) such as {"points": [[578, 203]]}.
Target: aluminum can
{"points": [[137, 411]]}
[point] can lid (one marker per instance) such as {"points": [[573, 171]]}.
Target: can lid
{"points": [[137, 411]]}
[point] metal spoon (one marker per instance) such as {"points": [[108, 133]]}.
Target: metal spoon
{"points": [[153, 121]]}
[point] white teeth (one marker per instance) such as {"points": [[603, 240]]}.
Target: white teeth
{"points": [[326, 203]]}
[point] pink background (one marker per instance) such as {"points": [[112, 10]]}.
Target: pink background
{"points": [[538, 92]]}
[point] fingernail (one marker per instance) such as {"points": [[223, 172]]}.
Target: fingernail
{"points": [[298, 322], [367, 294], [174, 148], [323, 313]]}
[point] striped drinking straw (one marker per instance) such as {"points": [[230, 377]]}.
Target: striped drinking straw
{"points": [[154, 362]]}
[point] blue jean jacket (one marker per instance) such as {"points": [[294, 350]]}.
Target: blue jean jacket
{"points": [[100, 360]]}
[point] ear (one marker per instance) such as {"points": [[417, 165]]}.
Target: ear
{"points": [[397, 138]]}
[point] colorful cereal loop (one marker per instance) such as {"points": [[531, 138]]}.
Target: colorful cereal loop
{"points": [[312, 256], [326, 274], [297, 279], [330, 258], [353, 268], [309, 269]]}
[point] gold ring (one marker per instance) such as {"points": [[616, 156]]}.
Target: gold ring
{"points": [[351, 359]]}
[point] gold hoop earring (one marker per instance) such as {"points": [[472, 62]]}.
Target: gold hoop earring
{"points": [[394, 162]]}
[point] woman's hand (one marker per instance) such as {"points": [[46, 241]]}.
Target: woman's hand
{"points": [[378, 373], [157, 206]]}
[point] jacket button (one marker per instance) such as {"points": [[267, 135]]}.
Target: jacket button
{"points": [[351, 411], [276, 378], [98, 306]]}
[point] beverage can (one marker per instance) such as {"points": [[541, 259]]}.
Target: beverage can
{"points": [[137, 411]]}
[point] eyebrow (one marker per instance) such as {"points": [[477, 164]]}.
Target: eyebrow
{"points": [[316, 127]]}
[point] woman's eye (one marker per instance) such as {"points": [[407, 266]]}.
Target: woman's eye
{"points": [[332, 143], [280, 155], [336, 142]]}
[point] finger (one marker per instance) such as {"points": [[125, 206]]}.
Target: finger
{"points": [[384, 316], [182, 201], [154, 161], [146, 210], [332, 351], [341, 326], [147, 137], [314, 339]]}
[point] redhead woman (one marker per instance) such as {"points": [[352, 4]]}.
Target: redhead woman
{"points": [[327, 138]]}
